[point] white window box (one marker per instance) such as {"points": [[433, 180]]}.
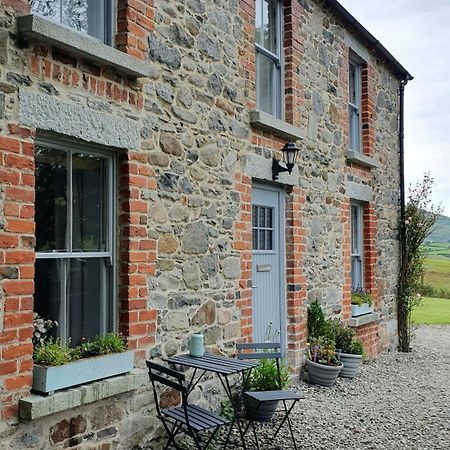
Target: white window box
{"points": [[50, 379], [359, 310]]}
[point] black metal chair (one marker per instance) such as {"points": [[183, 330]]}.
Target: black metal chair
{"points": [[190, 419], [268, 350]]}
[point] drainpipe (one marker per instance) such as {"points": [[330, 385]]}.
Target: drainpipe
{"points": [[401, 139]]}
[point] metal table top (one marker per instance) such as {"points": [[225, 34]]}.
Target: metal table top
{"points": [[222, 365]]}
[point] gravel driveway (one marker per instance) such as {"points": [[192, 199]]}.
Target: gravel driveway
{"points": [[399, 401]]}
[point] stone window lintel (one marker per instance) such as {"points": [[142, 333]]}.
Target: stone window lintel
{"points": [[35, 28], [37, 406], [260, 119], [361, 160]]}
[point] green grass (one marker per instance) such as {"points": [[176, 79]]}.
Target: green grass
{"points": [[437, 271], [432, 311]]}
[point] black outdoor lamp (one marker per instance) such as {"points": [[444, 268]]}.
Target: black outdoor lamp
{"points": [[290, 152]]}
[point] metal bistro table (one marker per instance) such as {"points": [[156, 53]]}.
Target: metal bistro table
{"points": [[224, 367]]}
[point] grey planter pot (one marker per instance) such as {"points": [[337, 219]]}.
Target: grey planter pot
{"points": [[351, 364], [321, 374], [359, 310], [50, 379], [264, 412]]}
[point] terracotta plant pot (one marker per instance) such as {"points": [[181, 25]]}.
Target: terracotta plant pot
{"points": [[351, 364], [322, 374]]}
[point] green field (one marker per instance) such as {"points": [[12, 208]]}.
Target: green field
{"points": [[432, 311], [437, 265]]}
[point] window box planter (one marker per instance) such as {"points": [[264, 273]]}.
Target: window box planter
{"points": [[359, 310], [50, 379]]}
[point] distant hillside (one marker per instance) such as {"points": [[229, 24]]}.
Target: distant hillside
{"points": [[441, 231]]}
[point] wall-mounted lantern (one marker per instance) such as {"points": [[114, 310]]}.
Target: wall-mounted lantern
{"points": [[290, 152]]}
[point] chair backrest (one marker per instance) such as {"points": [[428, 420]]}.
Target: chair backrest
{"points": [[167, 377], [261, 350], [253, 350]]}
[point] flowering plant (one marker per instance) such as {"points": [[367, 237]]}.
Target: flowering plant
{"points": [[323, 351], [41, 328]]}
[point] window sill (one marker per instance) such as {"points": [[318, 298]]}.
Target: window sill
{"points": [[35, 28], [36, 406], [360, 321], [260, 119], [361, 160]]}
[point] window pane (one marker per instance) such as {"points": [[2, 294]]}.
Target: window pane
{"points": [[352, 84], [254, 216], [89, 176], [267, 85], [47, 8], [51, 199], [262, 217], [86, 16], [354, 129], [262, 240], [49, 293], [269, 217], [89, 299], [355, 230], [266, 25], [356, 273]]}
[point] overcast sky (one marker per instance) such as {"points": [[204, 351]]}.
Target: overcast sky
{"points": [[417, 33]]}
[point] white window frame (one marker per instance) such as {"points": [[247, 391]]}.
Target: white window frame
{"points": [[111, 250], [106, 20], [276, 58], [354, 109], [357, 254]]}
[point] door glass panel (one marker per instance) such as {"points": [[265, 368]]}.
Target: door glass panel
{"points": [[254, 216], [51, 199], [269, 240], [255, 239], [88, 296], [89, 203]]}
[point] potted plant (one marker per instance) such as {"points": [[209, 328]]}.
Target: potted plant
{"points": [[350, 353], [58, 366], [322, 362], [264, 377], [362, 302]]}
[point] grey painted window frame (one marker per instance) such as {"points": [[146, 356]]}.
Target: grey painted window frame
{"points": [[354, 109], [106, 20], [357, 253], [276, 58], [69, 145]]}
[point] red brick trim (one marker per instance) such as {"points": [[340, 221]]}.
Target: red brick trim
{"points": [[17, 258], [137, 253], [370, 250], [21, 6], [135, 20], [295, 277], [346, 257], [242, 242]]}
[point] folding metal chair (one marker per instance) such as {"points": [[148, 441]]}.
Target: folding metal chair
{"points": [[268, 350], [190, 419]]}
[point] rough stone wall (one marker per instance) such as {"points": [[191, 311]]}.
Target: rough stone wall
{"points": [[185, 198]]}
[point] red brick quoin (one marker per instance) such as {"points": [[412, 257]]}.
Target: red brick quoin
{"points": [[17, 233]]}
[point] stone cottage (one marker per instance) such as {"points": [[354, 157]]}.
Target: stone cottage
{"points": [[137, 145]]}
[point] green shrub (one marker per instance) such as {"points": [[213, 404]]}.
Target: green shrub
{"points": [[53, 352], [103, 344], [360, 296], [316, 320], [264, 377], [344, 338], [356, 348]]}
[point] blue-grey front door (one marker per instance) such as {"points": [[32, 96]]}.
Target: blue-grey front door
{"points": [[268, 275]]}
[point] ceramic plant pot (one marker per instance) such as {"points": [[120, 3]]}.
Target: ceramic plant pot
{"points": [[86, 370], [351, 364], [264, 412], [359, 310], [322, 374]]}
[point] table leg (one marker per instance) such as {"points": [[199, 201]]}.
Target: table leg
{"points": [[235, 406]]}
